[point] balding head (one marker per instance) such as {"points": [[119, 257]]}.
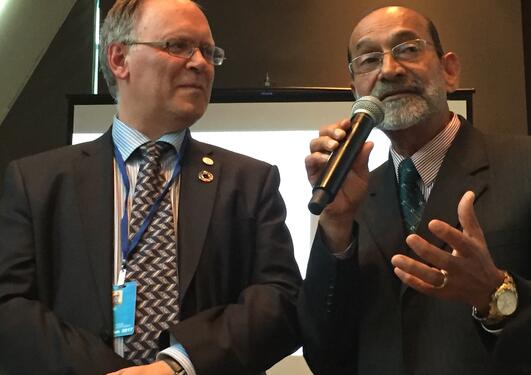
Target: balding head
{"points": [[382, 17]]}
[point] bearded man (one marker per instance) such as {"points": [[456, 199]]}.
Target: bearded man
{"points": [[423, 265]]}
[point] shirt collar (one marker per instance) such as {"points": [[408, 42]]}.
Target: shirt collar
{"points": [[428, 159], [128, 139]]}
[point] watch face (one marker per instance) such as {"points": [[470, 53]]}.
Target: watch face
{"points": [[507, 302]]}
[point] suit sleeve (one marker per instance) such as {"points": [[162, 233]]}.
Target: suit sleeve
{"points": [[327, 310], [509, 241], [512, 345], [258, 328], [33, 339]]}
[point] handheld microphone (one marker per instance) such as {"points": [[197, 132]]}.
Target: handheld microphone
{"points": [[367, 112]]}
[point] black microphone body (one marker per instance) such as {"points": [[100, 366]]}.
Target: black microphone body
{"points": [[367, 112]]}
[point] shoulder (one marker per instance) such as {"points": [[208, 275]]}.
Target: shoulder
{"points": [[508, 144], [232, 171], [509, 159], [495, 142], [50, 158], [230, 159], [45, 165], [504, 150]]}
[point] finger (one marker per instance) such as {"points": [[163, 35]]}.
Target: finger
{"points": [[467, 216], [314, 163], [323, 144], [453, 237], [430, 276], [336, 130], [343, 125], [428, 252], [416, 283], [330, 136]]}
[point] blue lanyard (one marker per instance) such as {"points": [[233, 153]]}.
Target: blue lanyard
{"points": [[129, 245]]}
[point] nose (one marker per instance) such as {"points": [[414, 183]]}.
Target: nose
{"points": [[197, 60], [390, 66]]}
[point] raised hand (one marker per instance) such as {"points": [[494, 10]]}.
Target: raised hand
{"points": [[469, 273], [337, 218]]}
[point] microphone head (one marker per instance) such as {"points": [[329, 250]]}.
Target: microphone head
{"points": [[371, 106]]}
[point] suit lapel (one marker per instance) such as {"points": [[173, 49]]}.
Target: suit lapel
{"points": [[196, 201], [382, 211], [93, 175], [464, 168]]}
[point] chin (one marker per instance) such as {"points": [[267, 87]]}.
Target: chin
{"points": [[187, 117], [404, 113], [190, 107]]}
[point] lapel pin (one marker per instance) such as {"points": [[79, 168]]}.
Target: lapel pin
{"points": [[205, 176], [207, 160]]}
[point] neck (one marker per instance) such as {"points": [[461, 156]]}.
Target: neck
{"points": [[153, 125], [408, 141]]}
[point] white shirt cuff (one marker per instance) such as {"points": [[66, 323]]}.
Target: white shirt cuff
{"points": [[178, 353], [345, 254], [493, 331]]}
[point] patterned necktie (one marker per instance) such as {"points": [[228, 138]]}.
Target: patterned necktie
{"points": [[411, 199], [153, 263]]}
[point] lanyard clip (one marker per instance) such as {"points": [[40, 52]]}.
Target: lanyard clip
{"points": [[121, 275]]}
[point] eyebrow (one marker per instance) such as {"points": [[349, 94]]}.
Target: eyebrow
{"points": [[187, 39], [396, 38], [180, 35]]}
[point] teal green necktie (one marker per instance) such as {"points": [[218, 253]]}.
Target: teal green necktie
{"points": [[411, 199]]}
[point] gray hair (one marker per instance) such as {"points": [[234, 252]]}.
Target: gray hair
{"points": [[118, 26]]}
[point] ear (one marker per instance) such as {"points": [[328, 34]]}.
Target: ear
{"points": [[117, 60], [452, 70]]}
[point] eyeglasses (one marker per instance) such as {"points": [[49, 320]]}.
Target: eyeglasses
{"points": [[186, 49], [368, 62]]}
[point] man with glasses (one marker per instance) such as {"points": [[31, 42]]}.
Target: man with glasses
{"points": [[423, 265], [146, 251]]}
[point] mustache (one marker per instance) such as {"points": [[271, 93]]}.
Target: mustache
{"points": [[384, 89]]}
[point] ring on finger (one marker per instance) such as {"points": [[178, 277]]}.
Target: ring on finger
{"points": [[445, 279]]}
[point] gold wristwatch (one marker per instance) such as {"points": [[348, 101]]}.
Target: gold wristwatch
{"points": [[503, 302]]}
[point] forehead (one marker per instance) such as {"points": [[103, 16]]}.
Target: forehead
{"points": [[159, 19], [388, 27]]}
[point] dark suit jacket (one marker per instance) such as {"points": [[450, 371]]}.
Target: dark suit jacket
{"points": [[238, 279], [358, 318]]}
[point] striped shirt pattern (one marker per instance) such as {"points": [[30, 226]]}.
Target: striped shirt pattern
{"points": [[429, 158]]}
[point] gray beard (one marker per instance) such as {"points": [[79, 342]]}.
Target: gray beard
{"points": [[410, 110], [405, 112]]}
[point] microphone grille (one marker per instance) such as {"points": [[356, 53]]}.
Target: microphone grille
{"points": [[371, 106]]}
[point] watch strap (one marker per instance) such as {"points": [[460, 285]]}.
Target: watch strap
{"points": [[175, 366]]}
